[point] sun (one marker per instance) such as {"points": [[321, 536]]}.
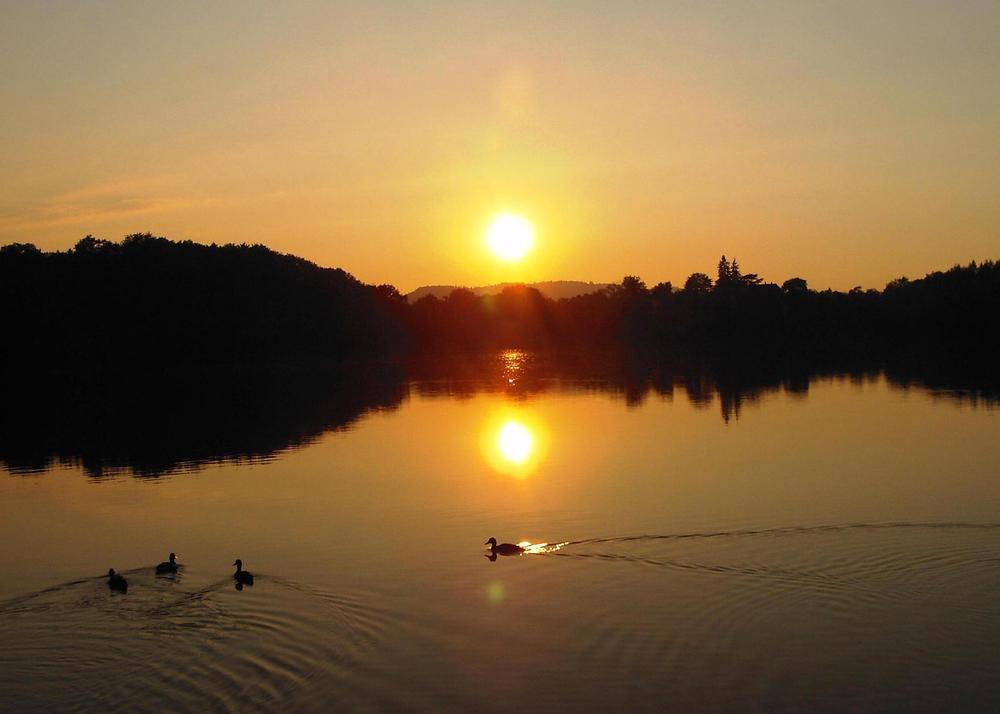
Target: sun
{"points": [[510, 236]]}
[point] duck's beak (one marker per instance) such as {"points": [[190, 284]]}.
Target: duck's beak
{"points": [[234, 562], [486, 543]]}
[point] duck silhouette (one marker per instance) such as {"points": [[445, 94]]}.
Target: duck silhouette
{"points": [[116, 581], [241, 576], [502, 548], [167, 566]]}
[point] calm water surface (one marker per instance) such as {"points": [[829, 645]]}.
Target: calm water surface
{"points": [[827, 546]]}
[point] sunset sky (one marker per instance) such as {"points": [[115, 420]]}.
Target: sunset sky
{"points": [[839, 141]]}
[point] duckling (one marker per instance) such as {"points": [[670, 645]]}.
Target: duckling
{"points": [[503, 548], [116, 581], [242, 577], [167, 566]]}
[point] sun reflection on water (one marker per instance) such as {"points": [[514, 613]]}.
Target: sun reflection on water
{"points": [[513, 443], [539, 548], [513, 362]]}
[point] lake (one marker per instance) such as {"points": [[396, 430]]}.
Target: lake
{"points": [[815, 542]]}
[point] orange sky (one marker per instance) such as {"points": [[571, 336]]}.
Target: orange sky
{"points": [[845, 143]]}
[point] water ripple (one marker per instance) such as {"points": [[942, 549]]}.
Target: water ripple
{"points": [[167, 646]]}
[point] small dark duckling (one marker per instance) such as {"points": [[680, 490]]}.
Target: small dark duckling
{"points": [[116, 581], [167, 566], [503, 548], [241, 576]]}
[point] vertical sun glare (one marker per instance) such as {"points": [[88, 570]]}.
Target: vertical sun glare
{"points": [[510, 236]]}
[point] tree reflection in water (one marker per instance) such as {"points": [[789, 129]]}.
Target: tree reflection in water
{"points": [[150, 425]]}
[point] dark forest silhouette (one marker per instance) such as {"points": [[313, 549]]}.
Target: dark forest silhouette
{"points": [[734, 313], [148, 301]]}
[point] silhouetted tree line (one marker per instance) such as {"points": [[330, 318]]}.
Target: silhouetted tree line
{"points": [[148, 300], [734, 313]]}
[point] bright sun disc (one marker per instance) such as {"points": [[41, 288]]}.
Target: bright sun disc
{"points": [[515, 442], [509, 236]]}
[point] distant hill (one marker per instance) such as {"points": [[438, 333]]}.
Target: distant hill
{"points": [[553, 289]]}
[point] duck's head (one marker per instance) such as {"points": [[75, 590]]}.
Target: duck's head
{"points": [[173, 557], [238, 563], [491, 542], [111, 572]]}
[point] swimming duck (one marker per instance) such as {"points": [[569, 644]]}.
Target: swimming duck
{"points": [[503, 548], [241, 576], [167, 566], [116, 581]]}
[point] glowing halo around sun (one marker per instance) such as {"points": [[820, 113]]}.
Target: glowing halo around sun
{"points": [[510, 236]]}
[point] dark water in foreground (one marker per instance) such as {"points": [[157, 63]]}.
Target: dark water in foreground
{"points": [[831, 545]]}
